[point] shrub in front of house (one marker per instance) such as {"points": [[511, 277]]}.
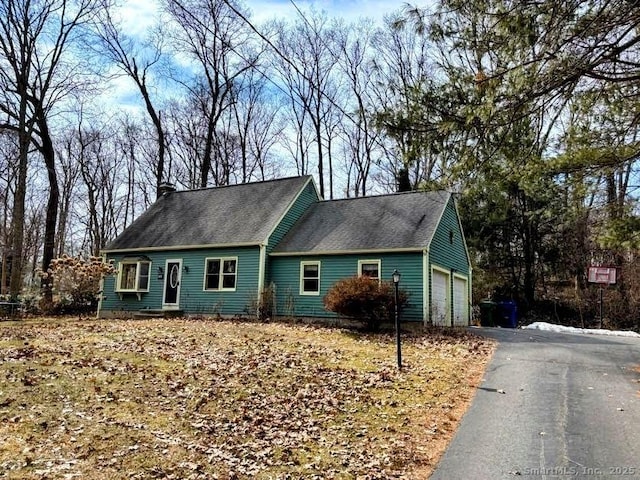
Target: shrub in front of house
{"points": [[365, 299], [75, 282]]}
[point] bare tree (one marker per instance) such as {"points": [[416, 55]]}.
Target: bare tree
{"points": [[8, 172], [306, 59], [227, 152], [399, 70], [265, 130], [300, 147], [361, 137], [16, 49], [99, 185], [129, 149], [69, 169], [216, 39], [139, 62], [36, 74], [99, 175], [254, 118], [186, 144]]}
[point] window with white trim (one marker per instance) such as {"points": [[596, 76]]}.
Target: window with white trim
{"points": [[309, 278], [221, 273], [133, 276], [369, 268]]}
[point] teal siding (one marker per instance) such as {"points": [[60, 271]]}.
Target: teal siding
{"points": [[449, 252], [193, 298], [307, 197], [443, 252], [285, 275]]}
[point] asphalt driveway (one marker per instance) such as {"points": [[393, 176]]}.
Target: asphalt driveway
{"points": [[552, 405]]}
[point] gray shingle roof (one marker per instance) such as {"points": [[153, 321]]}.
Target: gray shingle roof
{"points": [[399, 221], [237, 214]]}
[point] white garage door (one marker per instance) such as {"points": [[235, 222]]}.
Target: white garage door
{"points": [[440, 311], [460, 301]]}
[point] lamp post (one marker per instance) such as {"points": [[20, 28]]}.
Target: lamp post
{"points": [[396, 280]]}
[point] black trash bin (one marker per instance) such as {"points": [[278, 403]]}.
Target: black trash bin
{"points": [[487, 313], [508, 314]]}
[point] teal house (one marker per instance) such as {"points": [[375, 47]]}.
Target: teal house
{"points": [[227, 250]]}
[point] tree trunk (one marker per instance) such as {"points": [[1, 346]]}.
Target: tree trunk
{"points": [[208, 151], [318, 132], [18, 212], [529, 250], [612, 197], [48, 154], [156, 119]]}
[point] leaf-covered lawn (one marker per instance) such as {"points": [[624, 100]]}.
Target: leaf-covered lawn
{"points": [[190, 399]]}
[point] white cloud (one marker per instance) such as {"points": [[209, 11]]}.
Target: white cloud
{"points": [[137, 16], [121, 94], [350, 10]]}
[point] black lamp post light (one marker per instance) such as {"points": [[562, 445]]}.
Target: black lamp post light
{"points": [[396, 280]]}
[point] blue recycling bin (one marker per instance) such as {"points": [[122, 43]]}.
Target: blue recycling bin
{"points": [[508, 314]]}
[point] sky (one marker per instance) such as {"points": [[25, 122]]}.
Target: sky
{"points": [[347, 9], [139, 14]]}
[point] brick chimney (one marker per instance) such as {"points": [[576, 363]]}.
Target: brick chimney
{"points": [[165, 188]]}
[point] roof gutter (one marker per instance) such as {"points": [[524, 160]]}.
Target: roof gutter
{"points": [[348, 252], [180, 247]]}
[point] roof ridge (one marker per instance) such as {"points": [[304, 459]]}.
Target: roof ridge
{"points": [[219, 187], [392, 194]]}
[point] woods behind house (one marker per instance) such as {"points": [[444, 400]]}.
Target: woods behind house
{"points": [[528, 111]]}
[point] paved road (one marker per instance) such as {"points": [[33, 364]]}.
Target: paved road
{"points": [[570, 409]]}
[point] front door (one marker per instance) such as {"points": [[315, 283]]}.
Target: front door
{"points": [[171, 297]]}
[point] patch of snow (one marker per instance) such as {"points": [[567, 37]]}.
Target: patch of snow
{"points": [[550, 327]]}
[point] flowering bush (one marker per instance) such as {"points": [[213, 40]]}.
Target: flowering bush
{"points": [[365, 299], [75, 282]]}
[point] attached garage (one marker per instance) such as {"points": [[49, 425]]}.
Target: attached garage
{"points": [[460, 301], [449, 299], [440, 298]]}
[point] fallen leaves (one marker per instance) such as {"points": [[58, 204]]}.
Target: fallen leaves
{"points": [[202, 399]]}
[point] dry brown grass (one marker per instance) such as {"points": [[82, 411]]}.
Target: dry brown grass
{"points": [[205, 399]]}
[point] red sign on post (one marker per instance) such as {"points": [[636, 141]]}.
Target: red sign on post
{"points": [[602, 275]]}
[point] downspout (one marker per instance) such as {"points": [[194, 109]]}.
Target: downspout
{"points": [[452, 300], [426, 302], [261, 276], [101, 288], [470, 286]]}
